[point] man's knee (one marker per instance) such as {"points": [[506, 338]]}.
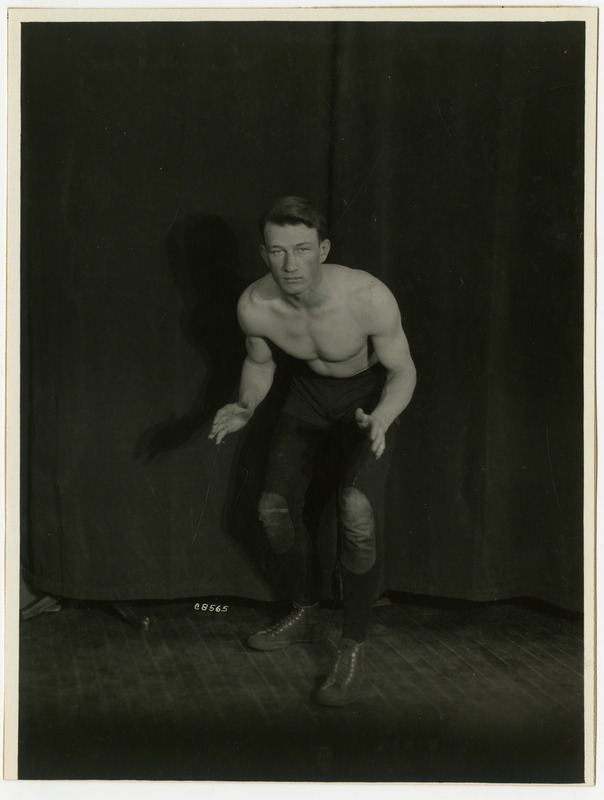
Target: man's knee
{"points": [[358, 531], [273, 513]]}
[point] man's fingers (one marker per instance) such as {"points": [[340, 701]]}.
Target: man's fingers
{"points": [[222, 417], [220, 424], [230, 418], [373, 430], [361, 418], [218, 419], [377, 448], [216, 425], [217, 434]]}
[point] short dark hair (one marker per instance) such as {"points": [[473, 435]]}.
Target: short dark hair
{"points": [[294, 211]]}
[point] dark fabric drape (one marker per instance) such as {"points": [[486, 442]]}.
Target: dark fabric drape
{"points": [[449, 159]]}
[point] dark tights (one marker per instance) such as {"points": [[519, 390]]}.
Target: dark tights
{"points": [[361, 477]]}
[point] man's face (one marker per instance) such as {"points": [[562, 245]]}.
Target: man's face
{"points": [[294, 256]]}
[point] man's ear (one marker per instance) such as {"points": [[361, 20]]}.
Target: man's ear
{"points": [[263, 254], [324, 249]]}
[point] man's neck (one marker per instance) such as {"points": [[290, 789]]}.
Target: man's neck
{"points": [[312, 298]]}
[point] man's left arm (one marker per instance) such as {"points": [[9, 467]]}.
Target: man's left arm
{"points": [[392, 349]]}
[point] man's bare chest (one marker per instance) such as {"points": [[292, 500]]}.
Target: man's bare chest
{"points": [[331, 336]]}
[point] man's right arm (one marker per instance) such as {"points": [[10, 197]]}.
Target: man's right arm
{"points": [[257, 375]]}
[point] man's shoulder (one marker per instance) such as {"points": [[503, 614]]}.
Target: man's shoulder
{"points": [[369, 299], [361, 285], [253, 305], [258, 294]]}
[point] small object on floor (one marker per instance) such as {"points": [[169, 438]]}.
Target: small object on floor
{"points": [[382, 601], [344, 683], [42, 604], [127, 613], [302, 624]]}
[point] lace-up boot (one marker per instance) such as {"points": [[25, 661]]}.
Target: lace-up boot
{"points": [[302, 624], [344, 683]]}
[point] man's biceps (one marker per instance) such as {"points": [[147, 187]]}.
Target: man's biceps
{"points": [[258, 350], [269, 365], [393, 352], [263, 364], [393, 341]]}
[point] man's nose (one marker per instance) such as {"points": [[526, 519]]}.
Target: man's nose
{"points": [[290, 262]]}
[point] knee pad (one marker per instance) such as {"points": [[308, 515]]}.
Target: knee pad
{"points": [[358, 531], [273, 513]]}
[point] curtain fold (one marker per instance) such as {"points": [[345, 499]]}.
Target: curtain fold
{"points": [[449, 158]]}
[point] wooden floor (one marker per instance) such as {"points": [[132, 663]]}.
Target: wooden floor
{"points": [[456, 692]]}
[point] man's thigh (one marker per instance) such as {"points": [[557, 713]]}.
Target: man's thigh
{"points": [[291, 458], [361, 469], [359, 502]]}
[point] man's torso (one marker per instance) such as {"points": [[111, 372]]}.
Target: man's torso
{"points": [[331, 336]]}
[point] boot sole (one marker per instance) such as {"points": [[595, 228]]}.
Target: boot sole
{"points": [[336, 702], [282, 645]]}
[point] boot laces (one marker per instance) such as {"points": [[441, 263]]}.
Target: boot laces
{"points": [[295, 615], [344, 666]]}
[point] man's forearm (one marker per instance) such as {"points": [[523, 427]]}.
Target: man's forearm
{"points": [[256, 380], [396, 395]]}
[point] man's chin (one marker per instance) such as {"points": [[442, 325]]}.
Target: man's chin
{"points": [[292, 287]]}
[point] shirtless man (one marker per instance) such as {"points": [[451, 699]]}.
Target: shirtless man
{"points": [[353, 376]]}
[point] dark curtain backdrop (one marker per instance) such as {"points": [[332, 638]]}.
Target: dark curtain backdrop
{"points": [[449, 160]]}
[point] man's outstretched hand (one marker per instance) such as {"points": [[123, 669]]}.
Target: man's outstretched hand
{"points": [[231, 418], [373, 429]]}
